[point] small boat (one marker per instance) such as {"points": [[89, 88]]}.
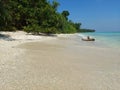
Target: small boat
{"points": [[88, 39], [92, 39]]}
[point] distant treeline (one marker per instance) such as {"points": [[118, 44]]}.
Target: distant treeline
{"points": [[36, 16], [86, 30]]}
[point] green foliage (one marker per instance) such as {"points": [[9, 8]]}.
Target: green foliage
{"points": [[34, 29], [55, 5], [86, 30], [65, 14], [77, 26], [68, 27], [5, 17], [35, 16]]}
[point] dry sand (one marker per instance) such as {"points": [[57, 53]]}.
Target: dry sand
{"points": [[58, 64]]}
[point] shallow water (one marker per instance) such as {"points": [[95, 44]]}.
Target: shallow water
{"points": [[108, 39]]}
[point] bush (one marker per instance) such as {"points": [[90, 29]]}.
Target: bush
{"points": [[8, 28], [34, 29]]}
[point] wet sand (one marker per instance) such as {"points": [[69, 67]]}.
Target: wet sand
{"points": [[62, 64]]}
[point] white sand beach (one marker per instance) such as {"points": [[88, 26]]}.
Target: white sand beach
{"points": [[29, 62]]}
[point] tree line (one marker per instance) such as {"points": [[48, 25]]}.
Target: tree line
{"points": [[35, 16]]}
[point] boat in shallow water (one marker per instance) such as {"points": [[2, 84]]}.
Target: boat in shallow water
{"points": [[88, 39], [91, 39]]}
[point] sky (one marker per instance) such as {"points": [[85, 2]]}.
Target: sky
{"points": [[101, 15]]}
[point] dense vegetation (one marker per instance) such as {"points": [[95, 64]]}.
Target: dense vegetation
{"points": [[35, 16], [86, 30]]}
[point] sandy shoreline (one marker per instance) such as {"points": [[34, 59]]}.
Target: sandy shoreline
{"points": [[57, 63]]}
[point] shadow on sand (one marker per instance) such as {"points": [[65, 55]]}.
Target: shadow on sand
{"points": [[43, 34], [6, 37]]}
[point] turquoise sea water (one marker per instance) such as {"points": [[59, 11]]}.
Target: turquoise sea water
{"points": [[110, 39]]}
